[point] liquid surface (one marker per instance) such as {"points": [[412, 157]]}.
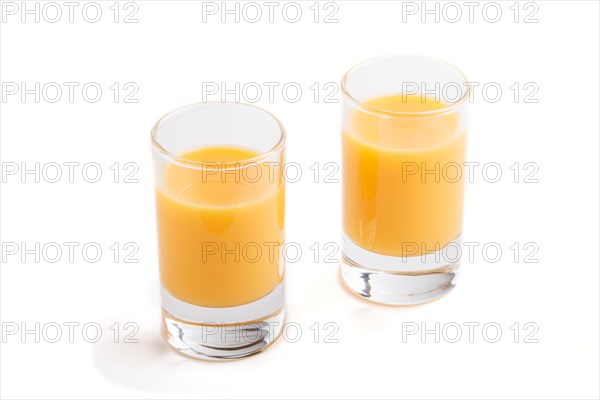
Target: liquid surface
{"points": [[403, 177], [220, 228]]}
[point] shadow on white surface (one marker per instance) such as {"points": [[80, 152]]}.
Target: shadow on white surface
{"points": [[151, 366], [139, 365]]}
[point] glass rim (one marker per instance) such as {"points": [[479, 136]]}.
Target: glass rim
{"points": [[391, 114], [231, 165]]}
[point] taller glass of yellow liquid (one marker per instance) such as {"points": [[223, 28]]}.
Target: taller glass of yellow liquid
{"points": [[220, 221], [404, 135]]}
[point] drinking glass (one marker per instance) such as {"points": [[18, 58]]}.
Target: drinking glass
{"points": [[220, 221], [404, 134]]}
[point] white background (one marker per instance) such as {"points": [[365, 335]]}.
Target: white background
{"points": [[168, 54]]}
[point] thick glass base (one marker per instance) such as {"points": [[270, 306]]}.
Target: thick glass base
{"points": [[399, 280], [223, 333]]}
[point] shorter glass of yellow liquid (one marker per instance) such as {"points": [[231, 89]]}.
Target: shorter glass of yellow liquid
{"points": [[404, 135], [220, 204]]}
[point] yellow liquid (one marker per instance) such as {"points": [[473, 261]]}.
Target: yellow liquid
{"points": [[391, 204], [212, 223]]}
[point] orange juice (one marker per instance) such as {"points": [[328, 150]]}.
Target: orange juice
{"points": [[220, 228], [402, 181]]}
